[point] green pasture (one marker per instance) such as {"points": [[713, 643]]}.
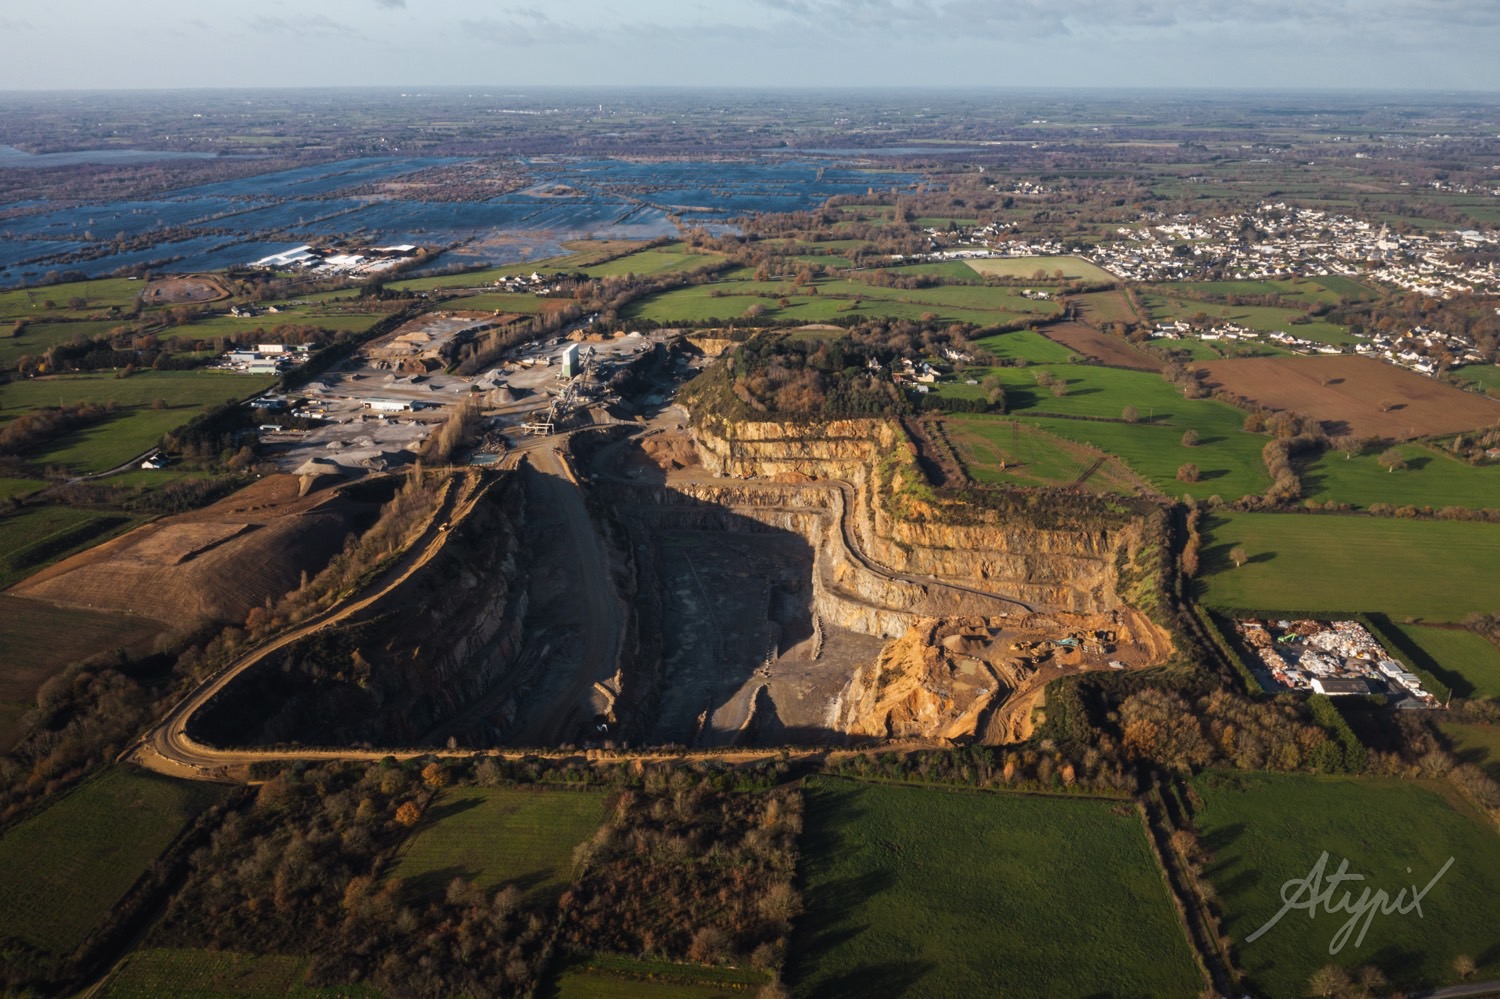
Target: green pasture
{"points": [[1073, 268], [1464, 661], [36, 338], [610, 976], [216, 974], [941, 892], [136, 427], [1430, 478], [1227, 457], [499, 836], [64, 868], [1264, 830], [1008, 452], [1026, 345], [1433, 569]]}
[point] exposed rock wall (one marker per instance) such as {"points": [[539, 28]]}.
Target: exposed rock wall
{"points": [[1071, 570], [418, 658]]}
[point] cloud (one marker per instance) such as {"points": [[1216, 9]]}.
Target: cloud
{"points": [[309, 24], [391, 4]]}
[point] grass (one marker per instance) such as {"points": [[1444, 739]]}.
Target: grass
{"points": [[1430, 478], [953, 893], [1008, 452], [1073, 268], [1465, 662], [615, 977], [1438, 570], [1266, 829], [501, 301], [660, 260], [101, 294], [217, 326], [1227, 457], [499, 836], [1476, 744], [1100, 307], [209, 974], [1026, 345], [1486, 376], [37, 639], [18, 487], [62, 869], [736, 291], [137, 427], [37, 337], [1267, 319], [34, 537]]}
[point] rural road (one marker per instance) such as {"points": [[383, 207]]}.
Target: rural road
{"points": [[169, 749]]}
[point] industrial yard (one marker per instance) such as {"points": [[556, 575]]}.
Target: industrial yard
{"points": [[1336, 658]]}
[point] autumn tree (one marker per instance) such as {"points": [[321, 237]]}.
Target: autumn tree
{"points": [[1392, 459], [1238, 556]]}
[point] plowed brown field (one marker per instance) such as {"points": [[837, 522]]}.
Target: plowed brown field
{"points": [[1355, 395]]}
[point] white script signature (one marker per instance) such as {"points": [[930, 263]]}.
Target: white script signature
{"points": [[1318, 890]]}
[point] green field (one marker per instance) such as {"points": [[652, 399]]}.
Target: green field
{"points": [[137, 427], [217, 326], [100, 294], [1267, 319], [609, 976], [1486, 376], [935, 893], [36, 536], [1306, 292], [499, 836], [1266, 829], [1438, 570], [1073, 268], [1026, 345], [1476, 744], [1100, 307], [37, 639], [1467, 663], [1228, 458], [37, 337], [660, 260], [18, 487], [1030, 457], [209, 974], [62, 869], [1430, 478], [499, 301]]}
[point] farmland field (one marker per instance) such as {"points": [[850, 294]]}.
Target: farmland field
{"points": [[207, 974], [1466, 662], [1266, 829], [1430, 478], [62, 869], [1228, 458], [37, 337], [1028, 345], [1031, 457], [1073, 268], [28, 302], [136, 427], [498, 836], [615, 977], [1438, 570], [36, 536], [1099, 307], [1109, 349], [661, 260], [1265, 318], [1486, 376], [1362, 396], [1475, 743], [18, 487], [953, 893], [37, 639]]}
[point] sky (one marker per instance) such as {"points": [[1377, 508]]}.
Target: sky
{"points": [[1291, 44]]}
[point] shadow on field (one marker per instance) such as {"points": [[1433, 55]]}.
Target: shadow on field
{"points": [[890, 979]]}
